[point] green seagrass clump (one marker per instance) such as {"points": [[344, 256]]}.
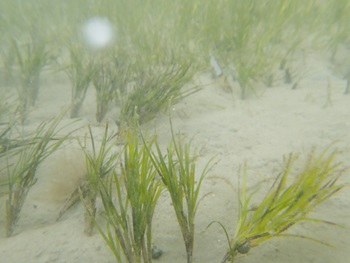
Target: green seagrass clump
{"points": [[21, 175], [291, 198], [153, 90], [31, 57], [79, 70], [129, 196], [177, 169]]}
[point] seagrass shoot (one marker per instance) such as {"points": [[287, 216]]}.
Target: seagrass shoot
{"points": [[154, 89], [129, 196], [289, 201], [177, 169], [31, 57], [110, 78], [79, 70], [21, 175], [99, 164]]}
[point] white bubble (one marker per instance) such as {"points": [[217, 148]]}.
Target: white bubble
{"points": [[98, 32]]}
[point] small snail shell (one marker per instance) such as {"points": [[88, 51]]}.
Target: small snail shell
{"points": [[244, 247], [156, 252]]}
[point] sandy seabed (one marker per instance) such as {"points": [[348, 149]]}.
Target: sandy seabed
{"points": [[259, 130]]}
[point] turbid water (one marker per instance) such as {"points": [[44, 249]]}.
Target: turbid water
{"points": [[259, 130], [313, 110]]}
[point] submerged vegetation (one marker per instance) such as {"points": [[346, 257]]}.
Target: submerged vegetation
{"points": [[154, 90], [21, 173], [288, 201], [99, 164], [177, 169], [153, 57], [79, 71], [157, 46], [130, 194], [247, 38], [31, 59], [129, 198], [104, 79]]}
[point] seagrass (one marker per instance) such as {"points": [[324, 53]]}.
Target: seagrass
{"points": [[287, 202], [177, 169], [21, 175], [129, 197], [31, 57]]}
